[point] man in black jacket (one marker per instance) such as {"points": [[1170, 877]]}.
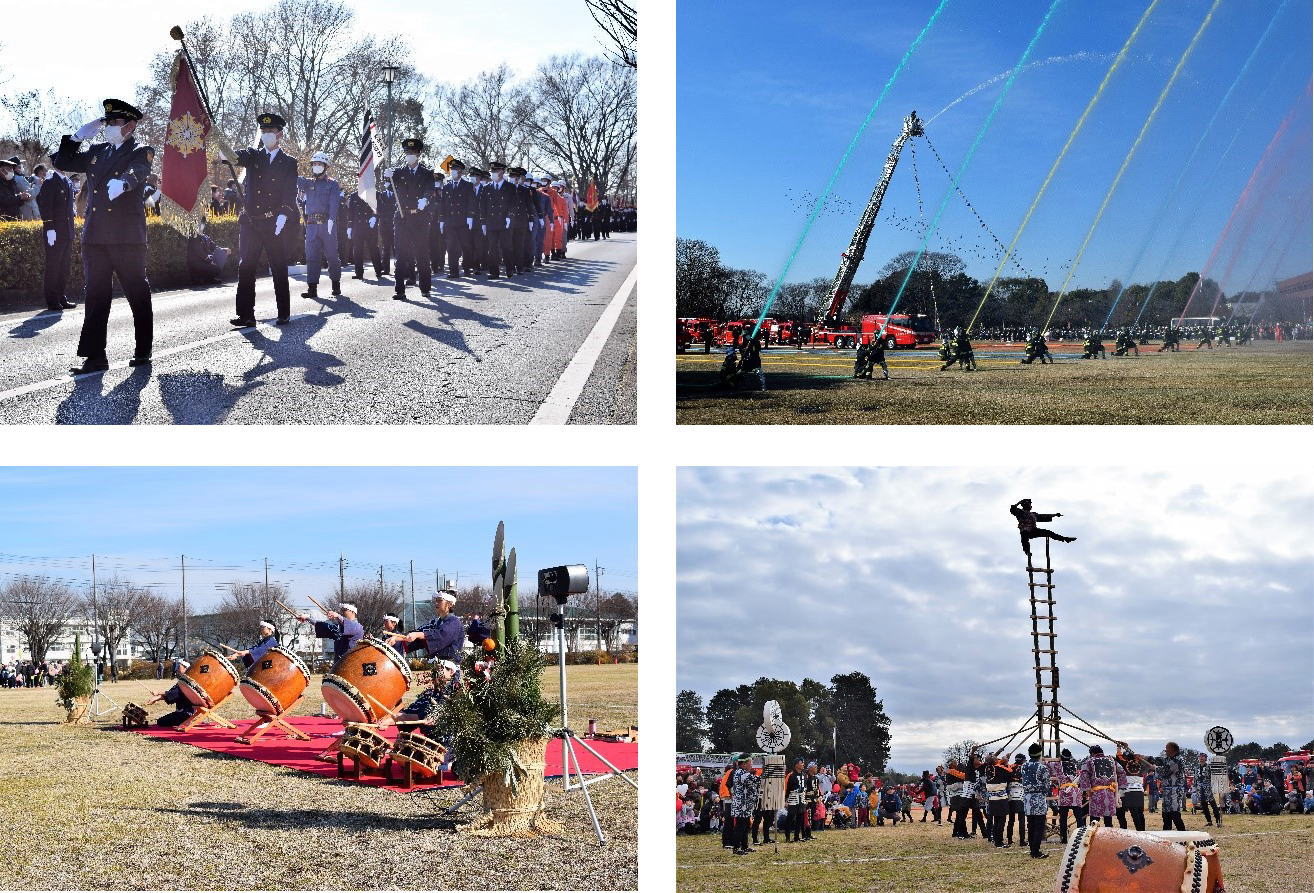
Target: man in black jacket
{"points": [[497, 203], [413, 184], [1027, 521], [55, 201], [114, 233], [458, 218], [271, 200]]}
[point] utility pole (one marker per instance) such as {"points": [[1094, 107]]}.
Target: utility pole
{"points": [[342, 579], [414, 622], [597, 603], [183, 566], [266, 581], [380, 581], [95, 621]]}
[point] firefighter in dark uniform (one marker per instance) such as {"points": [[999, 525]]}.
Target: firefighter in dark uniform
{"points": [[522, 208], [1094, 347], [1171, 340], [387, 209], [364, 236], [544, 205], [114, 232], [478, 238], [271, 197], [344, 231], [437, 241], [413, 183], [458, 209], [497, 203], [55, 200]]}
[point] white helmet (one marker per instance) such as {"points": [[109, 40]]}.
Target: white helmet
{"points": [[321, 157]]}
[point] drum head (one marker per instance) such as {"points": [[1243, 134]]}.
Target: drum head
{"points": [[259, 697], [346, 701], [194, 693], [1197, 837]]}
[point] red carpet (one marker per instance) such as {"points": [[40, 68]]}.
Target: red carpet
{"points": [[277, 749]]}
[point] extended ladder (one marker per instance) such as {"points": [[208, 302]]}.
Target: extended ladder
{"points": [[1044, 647]]}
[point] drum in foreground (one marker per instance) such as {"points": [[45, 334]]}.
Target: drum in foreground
{"points": [[1114, 860], [364, 745], [369, 678], [424, 755], [209, 680], [275, 682]]}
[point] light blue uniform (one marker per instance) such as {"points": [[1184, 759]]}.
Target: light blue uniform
{"points": [[322, 198]]}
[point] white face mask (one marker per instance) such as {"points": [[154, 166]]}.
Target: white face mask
{"points": [[317, 169], [412, 160], [114, 134], [497, 176], [269, 139]]}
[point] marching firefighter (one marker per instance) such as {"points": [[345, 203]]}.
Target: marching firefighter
{"points": [[458, 220], [498, 203], [437, 240], [364, 235], [413, 183], [321, 196], [271, 195], [387, 210]]}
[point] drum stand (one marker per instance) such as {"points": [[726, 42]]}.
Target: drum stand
{"points": [[205, 714], [569, 739], [267, 722]]}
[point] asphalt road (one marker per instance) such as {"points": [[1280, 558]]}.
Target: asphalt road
{"points": [[474, 352]]}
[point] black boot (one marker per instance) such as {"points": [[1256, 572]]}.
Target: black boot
{"points": [[337, 288], [312, 291]]}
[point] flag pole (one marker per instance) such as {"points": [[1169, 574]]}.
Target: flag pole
{"points": [[177, 34]]}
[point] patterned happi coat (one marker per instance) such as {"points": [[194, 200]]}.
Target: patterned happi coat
{"points": [[1172, 776], [1069, 792], [1101, 777], [745, 787], [1035, 787]]}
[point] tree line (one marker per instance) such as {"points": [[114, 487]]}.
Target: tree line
{"points": [[939, 287], [43, 611], [843, 721], [574, 117]]}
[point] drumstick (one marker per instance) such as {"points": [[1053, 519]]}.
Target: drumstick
{"points": [[286, 608], [391, 715], [229, 647], [154, 694], [317, 604]]}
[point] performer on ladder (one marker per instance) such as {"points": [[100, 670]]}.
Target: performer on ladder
{"points": [[1027, 529]]}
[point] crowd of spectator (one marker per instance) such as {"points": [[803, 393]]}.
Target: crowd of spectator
{"points": [[25, 674]]}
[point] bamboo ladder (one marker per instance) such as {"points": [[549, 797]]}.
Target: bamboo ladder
{"points": [[1044, 647]]}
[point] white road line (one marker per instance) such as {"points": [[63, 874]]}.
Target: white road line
{"points": [[561, 401], [35, 387]]}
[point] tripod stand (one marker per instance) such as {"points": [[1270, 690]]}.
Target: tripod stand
{"points": [[569, 739], [94, 708]]}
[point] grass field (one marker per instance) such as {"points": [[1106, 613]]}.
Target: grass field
{"points": [[1263, 383], [1258, 854], [91, 807]]}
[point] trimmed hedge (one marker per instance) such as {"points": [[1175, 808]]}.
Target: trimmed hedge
{"points": [[23, 263]]}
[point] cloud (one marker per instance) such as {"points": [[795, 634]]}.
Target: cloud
{"points": [[1185, 603]]}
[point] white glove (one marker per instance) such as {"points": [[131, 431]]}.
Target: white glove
{"points": [[50, 237], [387, 172], [530, 225], [440, 226], [373, 220], [115, 188], [508, 223], [469, 223], [540, 223], [88, 130], [348, 232], [422, 204], [330, 227], [279, 223], [484, 227]]}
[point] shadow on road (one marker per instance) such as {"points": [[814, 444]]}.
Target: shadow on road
{"points": [[30, 328], [292, 350], [342, 304], [200, 398], [87, 405]]}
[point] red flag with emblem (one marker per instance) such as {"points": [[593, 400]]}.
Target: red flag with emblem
{"points": [[591, 197], [183, 169]]}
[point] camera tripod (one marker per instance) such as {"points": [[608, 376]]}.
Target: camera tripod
{"points": [[569, 739], [94, 708]]}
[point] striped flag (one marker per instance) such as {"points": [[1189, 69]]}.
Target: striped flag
{"points": [[366, 184]]}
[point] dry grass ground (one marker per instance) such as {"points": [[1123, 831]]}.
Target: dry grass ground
{"points": [[1261, 384], [1258, 854], [94, 808]]}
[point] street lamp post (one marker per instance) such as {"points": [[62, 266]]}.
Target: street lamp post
{"points": [[389, 75]]}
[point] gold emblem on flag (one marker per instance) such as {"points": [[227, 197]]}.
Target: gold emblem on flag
{"points": [[186, 135]]}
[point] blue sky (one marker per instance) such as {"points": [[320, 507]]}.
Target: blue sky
{"points": [[227, 519], [762, 127], [1186, 601]]}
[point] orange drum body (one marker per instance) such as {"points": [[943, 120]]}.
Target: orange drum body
{"points": [[370, 677], [1113, 860], [208, 681], [276, 681]]}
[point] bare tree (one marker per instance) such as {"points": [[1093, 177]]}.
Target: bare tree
{"points": [[485, 119], [158, 626], [619, 20], [585, 120], [372, 601], [39, 609], [37, 121], [113, 611], [303, 59], [613, 612], [241, 610]]}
